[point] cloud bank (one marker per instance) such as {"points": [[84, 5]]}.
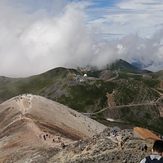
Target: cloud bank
{"points": [[36, 37], [33, 43]]}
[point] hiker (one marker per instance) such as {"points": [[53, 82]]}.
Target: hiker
{"points": [[145, 148], [44, 137], [142, 148], [121, 144], [115, 132], [157, 153], [59, 139], [63, 145]]}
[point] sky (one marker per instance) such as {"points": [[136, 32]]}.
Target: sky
{"points": [[39, 35]]}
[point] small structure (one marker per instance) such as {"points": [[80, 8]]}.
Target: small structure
{"points": [[145, 134], [80, 78]]}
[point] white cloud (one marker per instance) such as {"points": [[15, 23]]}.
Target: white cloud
{"points": [[148, 51], [129, 16], [33, 45], [36, 38]]}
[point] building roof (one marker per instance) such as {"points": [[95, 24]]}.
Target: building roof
{"points": [[146, 134]]}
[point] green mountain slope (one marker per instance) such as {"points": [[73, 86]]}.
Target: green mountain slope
{"points": [[125, 83]]}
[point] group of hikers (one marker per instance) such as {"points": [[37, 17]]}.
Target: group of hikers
{"points": [[155, 157], [46, 136], [157, 153]]}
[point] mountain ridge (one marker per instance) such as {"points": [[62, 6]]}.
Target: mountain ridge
{"points": [[34, 123], [85, 90]]}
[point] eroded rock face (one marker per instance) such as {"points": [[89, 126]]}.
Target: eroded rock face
{"points": [[32, 128]]}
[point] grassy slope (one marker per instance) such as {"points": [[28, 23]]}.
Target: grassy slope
{"points": [[90, 95]]}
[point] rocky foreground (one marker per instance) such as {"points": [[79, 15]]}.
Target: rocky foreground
{"points": [[102, 148], [105, 148]]}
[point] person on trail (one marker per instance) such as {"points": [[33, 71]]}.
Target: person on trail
{"points": [[59, 139], [115, 132], [157, 153], [145, 148], [44, 137], [63, 145], [121, 144], [142, 148]]}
